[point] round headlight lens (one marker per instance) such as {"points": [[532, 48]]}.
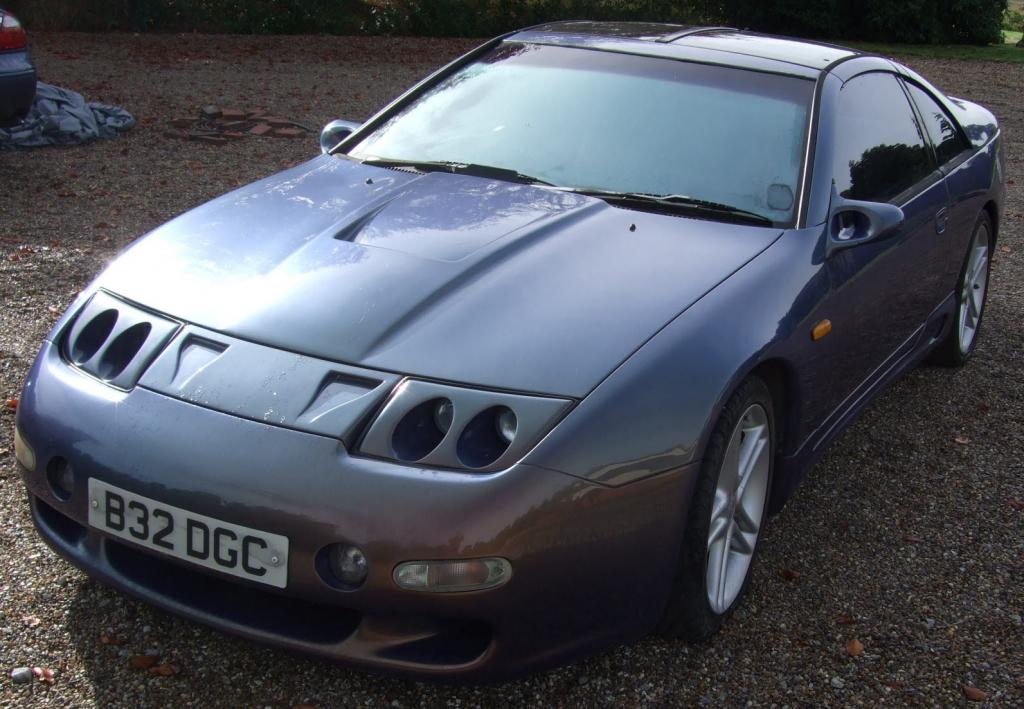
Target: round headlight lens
{"points": [[506, 424], [444, 412]]}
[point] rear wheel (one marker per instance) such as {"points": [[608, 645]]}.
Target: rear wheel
{"points": [[972, 289], [726, 516]]}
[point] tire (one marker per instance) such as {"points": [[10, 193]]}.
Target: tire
{"points": [[693, 613], [956, 347]]}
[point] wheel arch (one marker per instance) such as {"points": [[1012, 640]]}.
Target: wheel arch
{"points": [[993, 216], [779, 376]]}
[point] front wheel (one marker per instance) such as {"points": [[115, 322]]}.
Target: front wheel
{"points": [[726, 515], [972, 289]]}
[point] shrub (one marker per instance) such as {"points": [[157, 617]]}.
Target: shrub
{"points": [[913, 21], [924, 21]]}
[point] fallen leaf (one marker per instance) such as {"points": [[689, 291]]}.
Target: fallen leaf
{"points": [[974, 694], [142, 662], [111, 639], [12, 404], [1017, 504], [165, 669], [789, 575], [845, 620], [854, 647], [911, 539], [984, 408], [962, 440], [30, 621], [43, 674], [1005, 249]]}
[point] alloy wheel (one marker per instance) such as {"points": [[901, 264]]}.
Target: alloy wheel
{"points": [[738, 508], [972, 295]]}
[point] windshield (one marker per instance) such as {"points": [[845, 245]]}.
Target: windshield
{"points": [[610, 122]]}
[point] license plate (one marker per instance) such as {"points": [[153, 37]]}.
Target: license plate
{"points": [[230, 548]]}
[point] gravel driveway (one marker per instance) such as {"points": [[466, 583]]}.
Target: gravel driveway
{"points": [[908, 537]]}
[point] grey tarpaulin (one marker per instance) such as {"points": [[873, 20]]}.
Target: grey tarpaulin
{"points": [[62, 117]]}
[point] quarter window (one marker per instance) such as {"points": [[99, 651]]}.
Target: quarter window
{"points": [[879, 150], [939, 125]]}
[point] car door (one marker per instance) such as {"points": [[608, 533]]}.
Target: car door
{"points": [[882, 290], [951, 150]]}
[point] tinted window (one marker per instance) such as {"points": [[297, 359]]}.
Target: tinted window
{"points": [[582, 118], [940, 127], [879, 151]]}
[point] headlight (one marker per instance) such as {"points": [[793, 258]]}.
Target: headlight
{"points": [[456, 427]]}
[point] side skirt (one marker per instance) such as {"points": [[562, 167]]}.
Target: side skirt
{"points": [[792, 469]]}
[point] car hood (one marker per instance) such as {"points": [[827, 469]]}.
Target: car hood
{"points": [[443, 276]]}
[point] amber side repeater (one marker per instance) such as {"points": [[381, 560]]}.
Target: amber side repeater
{"points": [[823, 328]]}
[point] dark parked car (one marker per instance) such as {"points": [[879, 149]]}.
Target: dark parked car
{"points": [[17, 72], [518, 368]]}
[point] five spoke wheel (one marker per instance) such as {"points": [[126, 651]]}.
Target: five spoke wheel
{"points": [[972, 293], [738, 507]]}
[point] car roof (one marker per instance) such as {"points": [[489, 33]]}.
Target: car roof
{"points": [[714, 45]]}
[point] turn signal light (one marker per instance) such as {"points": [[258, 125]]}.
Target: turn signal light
{"points": [[452, 575]]}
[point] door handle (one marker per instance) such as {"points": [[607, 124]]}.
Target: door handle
{"points": [[941, 220]]}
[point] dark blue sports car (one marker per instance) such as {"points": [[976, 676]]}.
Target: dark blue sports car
{"points": [[519, 367]]}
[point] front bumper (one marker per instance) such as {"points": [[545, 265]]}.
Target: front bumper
{"points": [[591, 564]]}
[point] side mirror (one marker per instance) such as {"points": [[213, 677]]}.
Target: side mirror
{"points": [[852, 222], [335, 132]]}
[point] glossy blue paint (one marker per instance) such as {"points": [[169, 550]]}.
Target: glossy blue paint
{"points": [[442, 276], [648, 321]]}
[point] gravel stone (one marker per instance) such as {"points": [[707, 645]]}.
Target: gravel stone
{"points": [[22, 675], [897, 472]]}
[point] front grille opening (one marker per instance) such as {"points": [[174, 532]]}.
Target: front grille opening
{"points": [[453, 643], [59, 525], [235, 603], [122, 350], [92, 336]]}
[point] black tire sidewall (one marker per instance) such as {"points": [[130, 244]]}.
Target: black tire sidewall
{"points": [[689, 614], [948, 353], [983, 219]]}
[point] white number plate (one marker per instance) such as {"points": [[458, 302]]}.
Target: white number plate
{"points": [[231, 548]]}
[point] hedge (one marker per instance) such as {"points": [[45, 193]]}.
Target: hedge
{"points": [[917, 21]]}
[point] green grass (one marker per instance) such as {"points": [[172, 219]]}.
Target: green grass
{"points": [[1006, 52]]}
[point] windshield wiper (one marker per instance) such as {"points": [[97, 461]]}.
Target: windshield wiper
{"points": [[676, 203], [461, 168]]}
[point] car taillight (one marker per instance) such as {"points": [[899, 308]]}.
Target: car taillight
{"points": [[12, 34]]}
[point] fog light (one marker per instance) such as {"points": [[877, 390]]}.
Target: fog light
{"points": [[454, 575], [23, 451], [348, 564], [61, 478]]}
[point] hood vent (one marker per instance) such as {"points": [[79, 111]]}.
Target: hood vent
{"points": [[114, 341]]}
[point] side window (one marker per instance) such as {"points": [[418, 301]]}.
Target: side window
{"points": [[941, 129], [879, 150]]}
